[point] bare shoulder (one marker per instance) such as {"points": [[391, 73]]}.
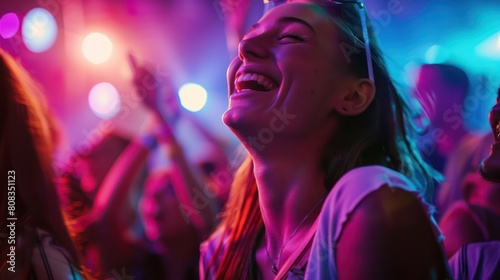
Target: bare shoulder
{"points": [[391, 208], [390, 235]]}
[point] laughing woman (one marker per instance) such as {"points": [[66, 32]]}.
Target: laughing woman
{"points": [[333, 187]]}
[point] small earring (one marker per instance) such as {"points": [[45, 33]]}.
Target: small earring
{"points": [[498, 129]]}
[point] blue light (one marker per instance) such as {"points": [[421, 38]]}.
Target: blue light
{"points": [[39, 30], [490, 47], [436, 55]]}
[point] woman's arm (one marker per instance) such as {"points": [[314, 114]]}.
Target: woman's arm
{"points": [[196, 202], [117, 184], [215, 169], [389, 236], [459, 228]]}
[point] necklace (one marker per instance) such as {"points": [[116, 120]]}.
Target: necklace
{"points": [[275, 266]]}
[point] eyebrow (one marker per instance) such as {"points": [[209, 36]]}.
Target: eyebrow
{"points": [[287, 19]]}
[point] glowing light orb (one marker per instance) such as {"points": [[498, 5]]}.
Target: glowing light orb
{"points": [[97, 48], [9, 25], [39, 30], [490, 47], [104, 100], [436, 54], [193, 97]]}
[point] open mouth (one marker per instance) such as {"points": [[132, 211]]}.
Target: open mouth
{"points": [[255, 82]]}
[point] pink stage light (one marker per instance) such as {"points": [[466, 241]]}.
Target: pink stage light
{"points": [[9, 25], [104, 100], [97, 48]]}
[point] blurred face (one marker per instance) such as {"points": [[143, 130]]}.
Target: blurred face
{"points": [[159, 209], [288, 73], [482, 192]]}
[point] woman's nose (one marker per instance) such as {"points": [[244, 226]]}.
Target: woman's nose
{"points": [[251, 48]]}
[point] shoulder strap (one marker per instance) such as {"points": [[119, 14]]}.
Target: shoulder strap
{"points": [[464, 266], [297, 256]]}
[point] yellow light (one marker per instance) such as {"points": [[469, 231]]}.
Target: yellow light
{"points": [[97, 48], [193, 97]]}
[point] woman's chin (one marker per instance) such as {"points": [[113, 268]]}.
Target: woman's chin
{"points": [[233, 118], [241, 125]]}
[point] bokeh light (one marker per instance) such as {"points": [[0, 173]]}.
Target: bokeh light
{"points": [[104, 100], [9, 25], [193, 97], [97, 48], [39, 30], [490, 47], [436, 54]]}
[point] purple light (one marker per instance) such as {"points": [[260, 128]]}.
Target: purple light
{"points": [[9, 24]]}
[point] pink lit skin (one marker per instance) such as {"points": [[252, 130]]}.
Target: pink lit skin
{"points": [[304, 71], [292, 81], [159, 208], [310, 84]]}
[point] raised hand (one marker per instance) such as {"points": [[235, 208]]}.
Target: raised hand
{"points": [[495, 119], [235, 13], [147, 84], [490, 167]]}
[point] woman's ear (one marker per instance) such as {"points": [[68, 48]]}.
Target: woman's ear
{"points": [[356, 99]]}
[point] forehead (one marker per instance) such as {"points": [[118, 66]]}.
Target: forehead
{"points": [[304, 10]]}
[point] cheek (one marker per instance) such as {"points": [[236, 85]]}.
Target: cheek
{"points": [[313, 67], [314, 85]]}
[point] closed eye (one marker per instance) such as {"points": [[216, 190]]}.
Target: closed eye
{"points": [[291, 36]]}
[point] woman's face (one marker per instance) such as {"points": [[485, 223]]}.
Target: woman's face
{"points": [[288, 74], [159, 208], [482, 192]]}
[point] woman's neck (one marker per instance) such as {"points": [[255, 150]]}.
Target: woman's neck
{"points": [[291, 192]]}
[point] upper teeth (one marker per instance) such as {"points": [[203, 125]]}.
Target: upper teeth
{"points": [[262, 80]]}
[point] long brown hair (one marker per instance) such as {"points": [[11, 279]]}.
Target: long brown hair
{"points": [[26, 148], [381, 135]]}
